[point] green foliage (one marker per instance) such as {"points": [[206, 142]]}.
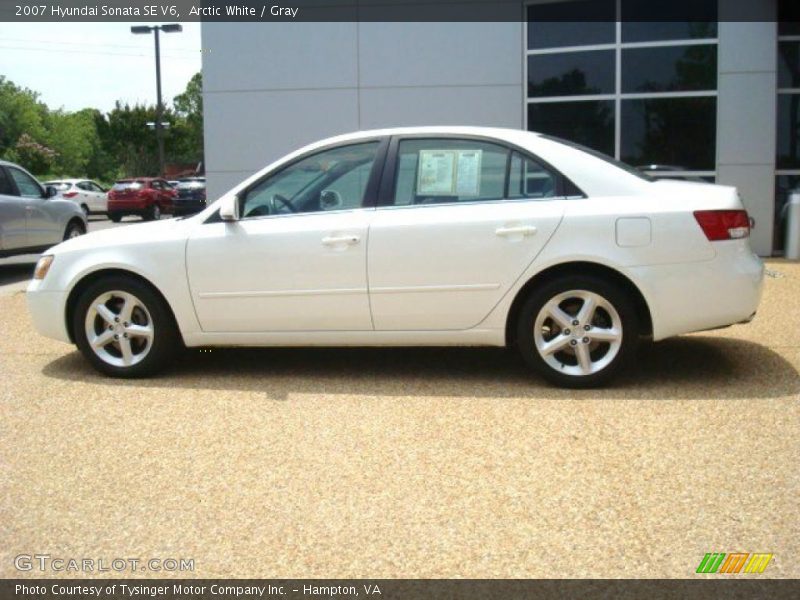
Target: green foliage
{"points": [[91, 144]]}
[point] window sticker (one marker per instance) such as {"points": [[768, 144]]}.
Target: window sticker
{"points": [[449, 172], [468, 173], [437, 169]]}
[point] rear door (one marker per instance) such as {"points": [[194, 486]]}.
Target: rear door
{"points": [[459, 220], [13, 233]]}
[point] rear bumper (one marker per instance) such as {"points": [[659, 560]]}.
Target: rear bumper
{"points": [[691, 297], [127, 206], [47, 310], [181, 207]]}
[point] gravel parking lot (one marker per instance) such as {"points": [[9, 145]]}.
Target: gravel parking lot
{"points": [[406, 463]]}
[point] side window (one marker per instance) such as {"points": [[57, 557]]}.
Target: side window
{"points": [[528, 179], [95, 188], [26, 185], [333, 179], [84, 185], [5, 184], [437, 171]]}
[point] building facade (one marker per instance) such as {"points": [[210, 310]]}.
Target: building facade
{"points": [[714, 100]]}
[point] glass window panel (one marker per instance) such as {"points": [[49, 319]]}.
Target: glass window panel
{"points": [[441, 171], [549, 25], [571, 73], [784, 185], [674, 20], [528, 179], [788, 17], [788, 155], [679, 132], [587, 122], [669, 69], [789, 64]]}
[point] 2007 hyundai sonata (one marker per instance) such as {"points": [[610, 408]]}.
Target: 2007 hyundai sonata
{"points": [[411, 237]]}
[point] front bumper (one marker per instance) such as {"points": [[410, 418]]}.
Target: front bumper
{"points": [[47, 310], [705, 295]]}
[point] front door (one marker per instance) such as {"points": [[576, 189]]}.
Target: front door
{"points": [[42, 224], [13, 233], [461, 221], [296, 260]]}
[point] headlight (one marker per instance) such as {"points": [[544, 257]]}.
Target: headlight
{"points": [[42, 267]]}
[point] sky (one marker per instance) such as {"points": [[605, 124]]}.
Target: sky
{"points": [[92, 65]]}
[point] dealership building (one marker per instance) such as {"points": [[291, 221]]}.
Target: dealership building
{"points": [[716, 99]]}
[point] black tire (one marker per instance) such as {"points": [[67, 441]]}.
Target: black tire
{"points": [[74, 229], [165, 341], [153, 213], [601, 354], [115, 217]]}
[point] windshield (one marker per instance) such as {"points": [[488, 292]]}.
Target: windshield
{"points": [[613, 161], [127, 185]]}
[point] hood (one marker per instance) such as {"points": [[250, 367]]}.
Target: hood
{"points": [[127, 235]]}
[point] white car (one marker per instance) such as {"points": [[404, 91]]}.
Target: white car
{"points": [[87, 194], [415, 237]]}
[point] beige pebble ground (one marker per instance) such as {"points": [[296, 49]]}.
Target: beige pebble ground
{"points": [[408, 463]]}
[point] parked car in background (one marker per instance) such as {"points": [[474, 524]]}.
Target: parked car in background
{"points": [[173, 183], [418, 236], [147, 197], [33, 217], [191, 196], [87, 194]]}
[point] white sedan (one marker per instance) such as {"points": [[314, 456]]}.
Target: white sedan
{"points": [[415, 237]]}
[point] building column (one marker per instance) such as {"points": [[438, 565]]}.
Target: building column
{"points": [[746, 113]]}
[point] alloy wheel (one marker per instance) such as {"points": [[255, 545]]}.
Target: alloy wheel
{"points": [[578, 333], [119, 328]]}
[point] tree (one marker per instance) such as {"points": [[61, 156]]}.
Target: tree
{"points": [[187, 133]]}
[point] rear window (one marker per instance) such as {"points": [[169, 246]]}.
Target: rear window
{"points": [[612, 161], [127, 185], [190, 185], [61, 186]]}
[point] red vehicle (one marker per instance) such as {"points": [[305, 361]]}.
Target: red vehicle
{"points": [[147, 197]]}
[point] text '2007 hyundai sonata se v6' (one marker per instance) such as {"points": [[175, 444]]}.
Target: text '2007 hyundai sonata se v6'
{"points": [[415, 237]]}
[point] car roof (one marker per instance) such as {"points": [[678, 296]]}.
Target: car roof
{"points": [[66, 180]]}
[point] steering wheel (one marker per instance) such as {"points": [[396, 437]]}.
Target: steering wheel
{"points": [[285, 202]]}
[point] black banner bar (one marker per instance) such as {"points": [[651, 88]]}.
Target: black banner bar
{"points": [[729, 587], [395, 10]]}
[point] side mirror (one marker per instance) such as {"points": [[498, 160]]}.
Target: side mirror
{"points": [[229, 208], [50, 191], [329, 200]]}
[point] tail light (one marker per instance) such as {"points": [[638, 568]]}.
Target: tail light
{"points": [[69, 194], [723, 224]]}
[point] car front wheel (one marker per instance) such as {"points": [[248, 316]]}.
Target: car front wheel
{"points": [[577, 331], [124, 328]]}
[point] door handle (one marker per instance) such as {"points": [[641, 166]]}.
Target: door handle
{"points": [[349, 240], [523, 230]]}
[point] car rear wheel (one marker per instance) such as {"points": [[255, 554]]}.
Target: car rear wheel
{"points": [[154, 214], [115, 218], [124, 328], [73, 230], [577, 331]]}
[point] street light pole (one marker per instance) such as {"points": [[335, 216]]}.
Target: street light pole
{"points": [[159, 125], [159, 107]]}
